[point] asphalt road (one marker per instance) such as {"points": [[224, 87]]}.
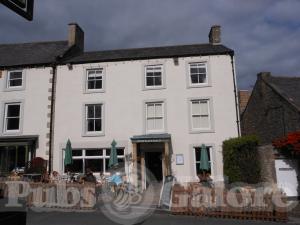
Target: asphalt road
{"points": [[97, 218]]}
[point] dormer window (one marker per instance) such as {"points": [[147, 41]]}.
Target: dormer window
{"points": [[15, 79]]}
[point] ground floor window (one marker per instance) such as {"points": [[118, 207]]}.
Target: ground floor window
{"points": [[197, 151], [95, 159], [13, 157]]}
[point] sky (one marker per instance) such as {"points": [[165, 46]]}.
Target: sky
{"points": [[265, 34]]}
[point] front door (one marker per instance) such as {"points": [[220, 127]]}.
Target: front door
{"points": [[153, 161]]}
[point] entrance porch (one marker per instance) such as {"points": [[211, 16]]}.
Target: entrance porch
{"points": [[151, 158]]}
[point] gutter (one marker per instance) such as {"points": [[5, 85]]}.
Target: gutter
{"points": [[237, 111]]}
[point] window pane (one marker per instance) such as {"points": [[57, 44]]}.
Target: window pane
{"points": [[204, 107], [13, 111], [202, 78], [91, 84], [107, 152], [150, 124], [77, 152], [15, 83], [90, 111], [159, 124], [201, 70], [77, 166], [194, 79], [150, 110], [90, 125], [150, 81], [158, 110], [195, 108], [98, 111], [94, 152], [120, 151], [91, 74], [98, 125], [96, 165], [13, 124], [196, 122], [194, 70], [204, 122], [98, 84], [157, 81], [15, 75]]}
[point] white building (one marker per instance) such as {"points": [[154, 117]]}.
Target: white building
{"points": [[159, 104]]}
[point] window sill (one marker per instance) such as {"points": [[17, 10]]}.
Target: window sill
{"points": [[93, 134], [94, 91], [6, 89], [153, 88], [11, 133], [202, 131], [199, 85]]}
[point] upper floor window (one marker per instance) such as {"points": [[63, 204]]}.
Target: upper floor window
{"points": [[155, 117], [154, 76], [198, 74], [200, 114], [15, 79], [93, 118], [12, 117], [94, 79]]}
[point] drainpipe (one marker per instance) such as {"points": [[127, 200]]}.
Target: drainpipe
{"points": [[237, 111], [51, 138]]}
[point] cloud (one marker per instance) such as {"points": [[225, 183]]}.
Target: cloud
{"points": [[264, 34]]}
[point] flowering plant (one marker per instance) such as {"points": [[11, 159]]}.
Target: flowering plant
{"points": [[288, 145]]}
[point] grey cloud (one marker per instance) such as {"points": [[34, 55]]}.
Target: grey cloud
{"points": [[264, 34]]}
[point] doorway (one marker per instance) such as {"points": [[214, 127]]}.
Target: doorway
{"points": [[153, 161]]}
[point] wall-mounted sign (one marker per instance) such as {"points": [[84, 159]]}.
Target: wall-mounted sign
{"points": [[179, 159]]}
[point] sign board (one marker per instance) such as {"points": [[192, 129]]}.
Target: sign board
{"points": [[22, 7], [166, 192]]}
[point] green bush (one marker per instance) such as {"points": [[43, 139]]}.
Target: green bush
{"points": [[241, 160]]}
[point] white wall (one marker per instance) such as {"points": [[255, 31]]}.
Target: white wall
{"points": [[34, 97], [124, 116]]}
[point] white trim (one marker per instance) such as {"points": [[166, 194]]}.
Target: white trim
{"points": [[163, 102], [163, 77], [85, 133], [208, 73], [85, 80], [16, 88], [21, 117], [211, 129]]}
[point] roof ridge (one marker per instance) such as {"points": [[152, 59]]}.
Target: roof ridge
{"points": [[284, 77], [37, 42], [151, 47]]}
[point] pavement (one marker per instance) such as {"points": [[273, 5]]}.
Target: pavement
{"points": [[158, 217]]}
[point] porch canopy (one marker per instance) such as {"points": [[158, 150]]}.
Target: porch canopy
{"points": [[151, 138]]}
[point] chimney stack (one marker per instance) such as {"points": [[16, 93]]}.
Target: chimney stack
{"points": [[76, 36], [215, 35]]}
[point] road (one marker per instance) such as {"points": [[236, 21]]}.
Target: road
{"points": [[97, 218]]}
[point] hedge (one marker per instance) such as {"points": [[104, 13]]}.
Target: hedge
{"points": [[241, 160]]}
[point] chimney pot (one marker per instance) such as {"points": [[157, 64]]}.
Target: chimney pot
{"points": [[76, 36], [215, 35]]}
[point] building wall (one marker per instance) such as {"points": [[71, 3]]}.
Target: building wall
{"points": [[35, 118], [268, 115], [124, 99]]}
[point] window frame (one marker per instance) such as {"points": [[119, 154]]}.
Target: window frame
{"points": [[210, 115], [146, 103], [188, 72], [7, 86], [195, 161], [102, 157], [85, 132], [4, 118], [85, 80], [163, 79]]}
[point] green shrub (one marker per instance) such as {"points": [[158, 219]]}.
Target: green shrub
{"points": [[241, 160]]}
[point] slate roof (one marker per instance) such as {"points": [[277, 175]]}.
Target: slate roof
{"points": [[287, 87], [28, 54], [150, 53]]}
